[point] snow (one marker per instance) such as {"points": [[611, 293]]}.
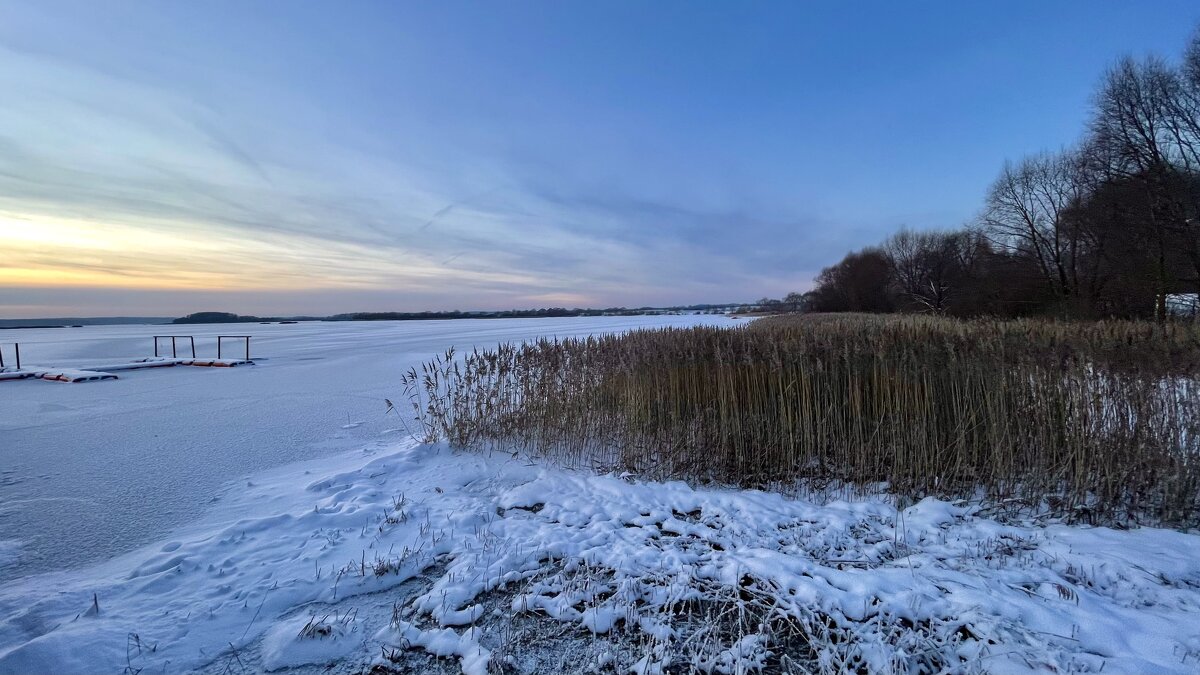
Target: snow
{"points": [[380, 550], [74, 375], [443, 642], [310, 640], [1183, 304], [398, 546], [101, 468]]}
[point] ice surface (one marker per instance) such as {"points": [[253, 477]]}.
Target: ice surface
{"points": [[340, 540], [100, 468]]}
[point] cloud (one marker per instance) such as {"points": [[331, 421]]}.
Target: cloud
{"points": [[135, 186]]}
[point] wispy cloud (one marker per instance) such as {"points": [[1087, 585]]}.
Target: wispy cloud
{"points": [[383, 155], [172, 195]]}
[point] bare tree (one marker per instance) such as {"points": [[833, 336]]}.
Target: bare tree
{"points": [[927, 266], [1025, 213], [1110, 228], [1132, 109], [1187, 120], [1145, 121]]}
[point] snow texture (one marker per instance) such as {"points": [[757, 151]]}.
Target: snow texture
{"points": [[321, 536], [103, 468], [406, 548], [74, 375]]}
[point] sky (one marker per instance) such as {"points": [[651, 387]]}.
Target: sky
{"points": [[281, 158]]}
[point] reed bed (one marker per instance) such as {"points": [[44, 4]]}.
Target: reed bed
{"points": [[1087, 421]]}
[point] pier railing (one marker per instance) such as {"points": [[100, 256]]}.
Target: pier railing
{"points": [[173, 338]]}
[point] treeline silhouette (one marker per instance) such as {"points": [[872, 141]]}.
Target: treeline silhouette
{"points": [[545, 312], [1107, 228]]}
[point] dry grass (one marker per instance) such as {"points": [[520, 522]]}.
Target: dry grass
{"points": [[1095, 421]]}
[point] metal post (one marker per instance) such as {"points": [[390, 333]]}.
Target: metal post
{"points": [[193, 340], [221, 343], [173, 354], [17, 346]]}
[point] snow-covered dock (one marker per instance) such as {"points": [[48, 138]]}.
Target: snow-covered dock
{"points": [[75, 375], [14, 374], [217, 363], [95, 373], [55, 374], [163, 362]]}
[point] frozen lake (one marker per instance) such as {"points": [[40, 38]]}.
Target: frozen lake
{"points": [[194, 520], [93, 470]]}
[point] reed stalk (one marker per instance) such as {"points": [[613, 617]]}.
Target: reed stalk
{"points": [[1089, 421]]}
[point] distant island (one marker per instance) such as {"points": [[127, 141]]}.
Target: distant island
{"points": [[227, 317], [764, 304], [67, 322], [546, 312]]}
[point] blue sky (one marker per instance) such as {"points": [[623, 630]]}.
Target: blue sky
{"points": [[158, 158]]}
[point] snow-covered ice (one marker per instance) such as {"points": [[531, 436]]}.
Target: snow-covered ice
{"points": [[99, 468], [373, 549]]}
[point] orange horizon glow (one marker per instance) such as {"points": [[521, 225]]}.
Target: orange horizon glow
{"points": [[65, 252], [48, 251]]}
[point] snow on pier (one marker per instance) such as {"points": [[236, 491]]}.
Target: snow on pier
{"points": [[14, 374], [96, 373], [75, 375]]}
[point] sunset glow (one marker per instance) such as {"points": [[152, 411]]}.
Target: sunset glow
{"points": [[164, 169]]}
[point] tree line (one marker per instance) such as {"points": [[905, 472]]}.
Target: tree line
{"points": [[545, 312], [1109, 227]]}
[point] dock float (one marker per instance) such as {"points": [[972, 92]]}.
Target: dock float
{"points": [[96, 373], [75, 375], [15, 374]]}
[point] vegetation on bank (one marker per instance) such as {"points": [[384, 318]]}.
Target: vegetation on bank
{"points": [[1107, 228], [545, 312], [1088, 421]]}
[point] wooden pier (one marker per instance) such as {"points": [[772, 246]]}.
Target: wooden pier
{"points": [[96, 373]]}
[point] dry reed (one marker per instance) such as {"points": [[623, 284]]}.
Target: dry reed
{"points": [[1089, 421]]}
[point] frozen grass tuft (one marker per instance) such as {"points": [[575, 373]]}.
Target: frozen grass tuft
{"points": [[616, 577]]}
